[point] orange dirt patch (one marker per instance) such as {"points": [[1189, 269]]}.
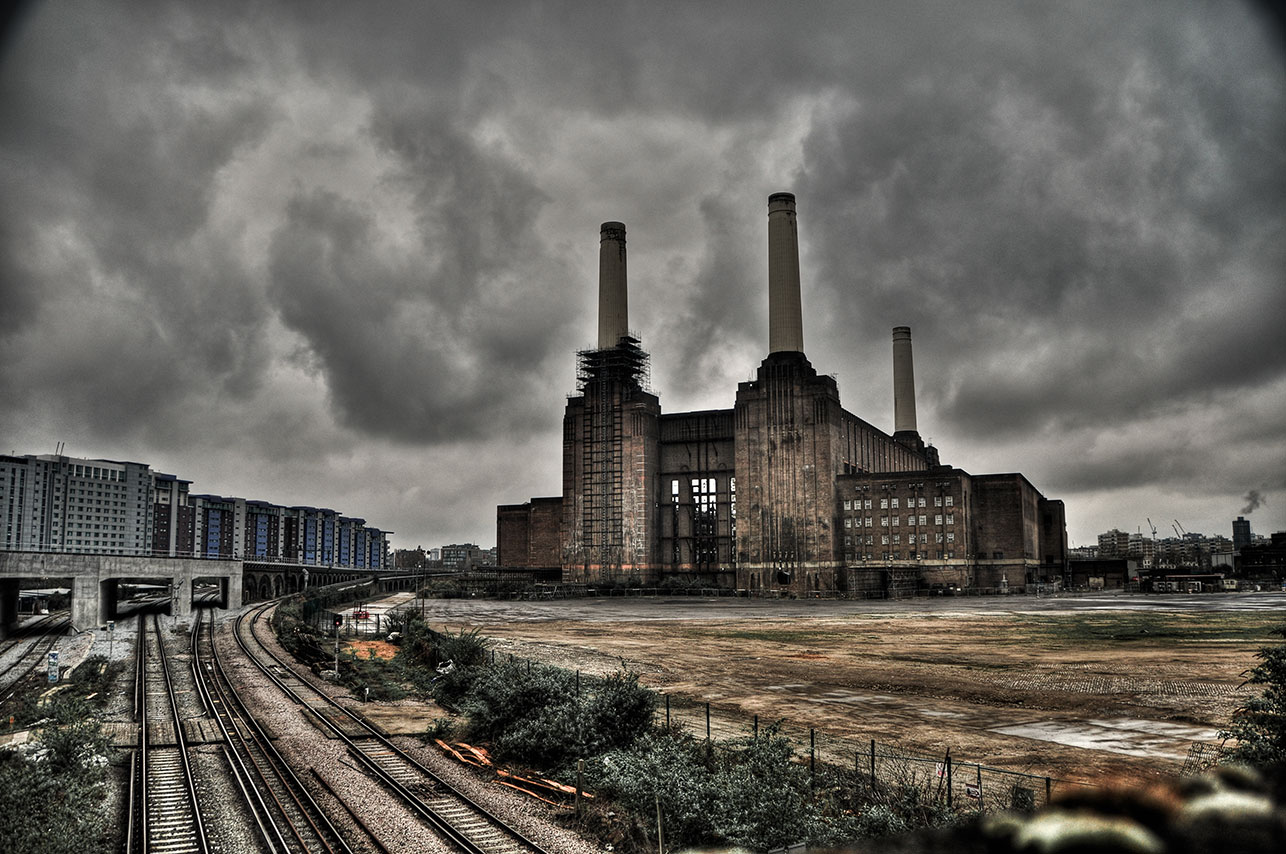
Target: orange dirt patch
{"points": [[364, 648]]}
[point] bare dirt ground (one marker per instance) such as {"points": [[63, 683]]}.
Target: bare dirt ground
{"points": [[1078, 688]]}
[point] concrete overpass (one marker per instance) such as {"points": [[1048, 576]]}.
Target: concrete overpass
{"points": [[94, 579]]}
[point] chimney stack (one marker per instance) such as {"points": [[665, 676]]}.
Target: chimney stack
{"points": [[785, 317], [903, 383], [613, 307]]}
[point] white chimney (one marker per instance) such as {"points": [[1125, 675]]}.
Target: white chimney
{"points": [[613, 307], [785, 316], [903, 382]]}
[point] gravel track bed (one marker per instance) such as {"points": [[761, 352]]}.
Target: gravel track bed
{"points": [[228, 823], [529, 816], [304, 746]]}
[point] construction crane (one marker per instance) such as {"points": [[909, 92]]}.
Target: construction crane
{"points": [[1182, 532], [1176, 530], [1154, 529]]}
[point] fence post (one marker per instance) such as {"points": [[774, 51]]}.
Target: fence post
{"points": [[812, 755], [980, 809], [580, 772], [756, 727], [872, 764], [1048, 788], [948, 778], [667, 713], [707, 723], [660, 829], [577, 683]]}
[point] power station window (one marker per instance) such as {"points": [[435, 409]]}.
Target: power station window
{"points": [[951, 520], [950, 500]]}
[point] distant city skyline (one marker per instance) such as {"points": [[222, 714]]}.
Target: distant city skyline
{"points": [[343, 255]]}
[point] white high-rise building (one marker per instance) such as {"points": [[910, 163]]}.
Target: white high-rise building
{"points": [[57, 503]]}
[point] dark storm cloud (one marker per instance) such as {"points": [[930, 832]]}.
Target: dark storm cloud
{"points": [[1063, 234], [122, 301], [367, 235]]}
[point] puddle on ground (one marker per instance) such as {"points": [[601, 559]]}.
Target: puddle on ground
{"points": [[1128, 736], [855, 699]]}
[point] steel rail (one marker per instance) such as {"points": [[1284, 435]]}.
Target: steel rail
{"points": [[254, 756], [50, 633], [163, 782], [428, 812]]}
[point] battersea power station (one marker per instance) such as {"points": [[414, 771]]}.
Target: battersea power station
{"points": [[786, 493]]}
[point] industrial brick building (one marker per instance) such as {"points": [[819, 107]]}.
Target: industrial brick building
{"points": [[787, 491]]}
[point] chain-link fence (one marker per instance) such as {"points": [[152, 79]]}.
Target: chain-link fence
{"points": [[949, 778]]}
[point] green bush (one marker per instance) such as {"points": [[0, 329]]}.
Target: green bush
{"points": [[1260, 725], [615, 711], [541, 718], [54, 800], [665, 768], [748, 792]]}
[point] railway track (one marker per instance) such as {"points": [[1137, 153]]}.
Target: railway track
{"points": [[40, 637], [461, 821], [288, 818], [164, 815]]}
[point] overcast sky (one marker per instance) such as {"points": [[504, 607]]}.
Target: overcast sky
{"points": [[343, 254]]}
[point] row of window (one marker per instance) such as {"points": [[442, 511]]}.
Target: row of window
{"points": [[896, 521], [910, 555], [96, 473], [896, 539], [894, 503]]}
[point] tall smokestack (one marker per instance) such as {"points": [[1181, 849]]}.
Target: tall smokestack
{"points": [[613, 306], [903, 382], [785, 317]]}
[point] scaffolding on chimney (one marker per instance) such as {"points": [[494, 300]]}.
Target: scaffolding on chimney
{"points": [[626, 363], [606, 378]]}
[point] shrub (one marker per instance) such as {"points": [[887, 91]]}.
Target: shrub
{"points": [[54, 800], [1260, 725], [666, 768], [540, 718]]}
